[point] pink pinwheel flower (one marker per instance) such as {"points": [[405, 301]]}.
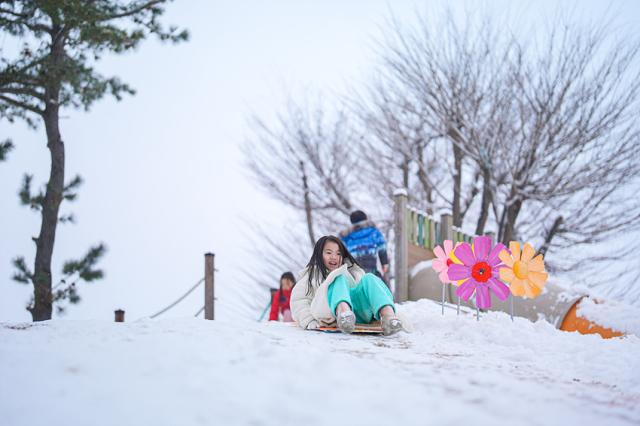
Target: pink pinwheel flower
{"points": [[442, 261], [479, 271]]}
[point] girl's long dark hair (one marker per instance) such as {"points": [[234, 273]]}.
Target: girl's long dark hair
{"points": [[286, 276], [316, 266]]}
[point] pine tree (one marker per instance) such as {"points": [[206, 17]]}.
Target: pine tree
{"points": [[5, 147], [61, 42]]}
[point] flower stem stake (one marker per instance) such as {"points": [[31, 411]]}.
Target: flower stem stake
{"points": [[524, 272], [511, 306], [478, 272], [453, 257], [441, 264]]}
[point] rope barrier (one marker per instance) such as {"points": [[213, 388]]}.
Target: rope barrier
{"points": [[199, 312], [180, 299], [264, 312]]}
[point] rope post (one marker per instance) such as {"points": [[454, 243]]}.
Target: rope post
{"points": [[119, 315], [208, 286], [401, 273]]}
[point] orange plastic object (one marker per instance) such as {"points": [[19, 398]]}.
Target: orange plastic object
{"points": [[373, 328], [572, 322]]}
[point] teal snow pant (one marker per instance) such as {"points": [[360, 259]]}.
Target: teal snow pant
{"points": [[366, 299]]}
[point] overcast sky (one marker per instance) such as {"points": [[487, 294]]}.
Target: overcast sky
{"points": [[164, 180]]}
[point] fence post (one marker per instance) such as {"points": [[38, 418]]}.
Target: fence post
{"points": [[401, 245], [446, 227], [208, 285]]}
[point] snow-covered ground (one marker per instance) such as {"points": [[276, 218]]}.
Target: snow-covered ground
{"points": [[449, 370]]}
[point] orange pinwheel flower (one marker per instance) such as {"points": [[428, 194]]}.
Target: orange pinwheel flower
{"points": [[524, 273]]}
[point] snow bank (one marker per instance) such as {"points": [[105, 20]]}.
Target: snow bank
{"points": [[610, 314], [450, 370]]}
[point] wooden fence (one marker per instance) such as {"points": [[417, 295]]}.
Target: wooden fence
{"points": [[416, 235]]}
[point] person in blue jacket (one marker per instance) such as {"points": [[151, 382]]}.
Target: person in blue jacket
{"points": [[366, 243]]}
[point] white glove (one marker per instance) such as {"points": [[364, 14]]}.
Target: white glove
{"points": [[313, 325]]}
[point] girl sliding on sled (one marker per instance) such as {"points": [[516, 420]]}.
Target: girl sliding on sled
{"points": [[334, 289]]}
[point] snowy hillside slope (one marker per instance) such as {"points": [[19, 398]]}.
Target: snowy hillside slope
{"points": [[450, 370]]}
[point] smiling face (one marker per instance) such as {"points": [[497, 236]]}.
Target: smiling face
{"points": [[331, 256]]}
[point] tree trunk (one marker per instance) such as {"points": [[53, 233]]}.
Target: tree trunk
{"points": [[43, 306], [457, 185], [307, 205], [42, 278], [512, 215], [405, 172], [486, 200], [424, 179], [555, 228]]}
